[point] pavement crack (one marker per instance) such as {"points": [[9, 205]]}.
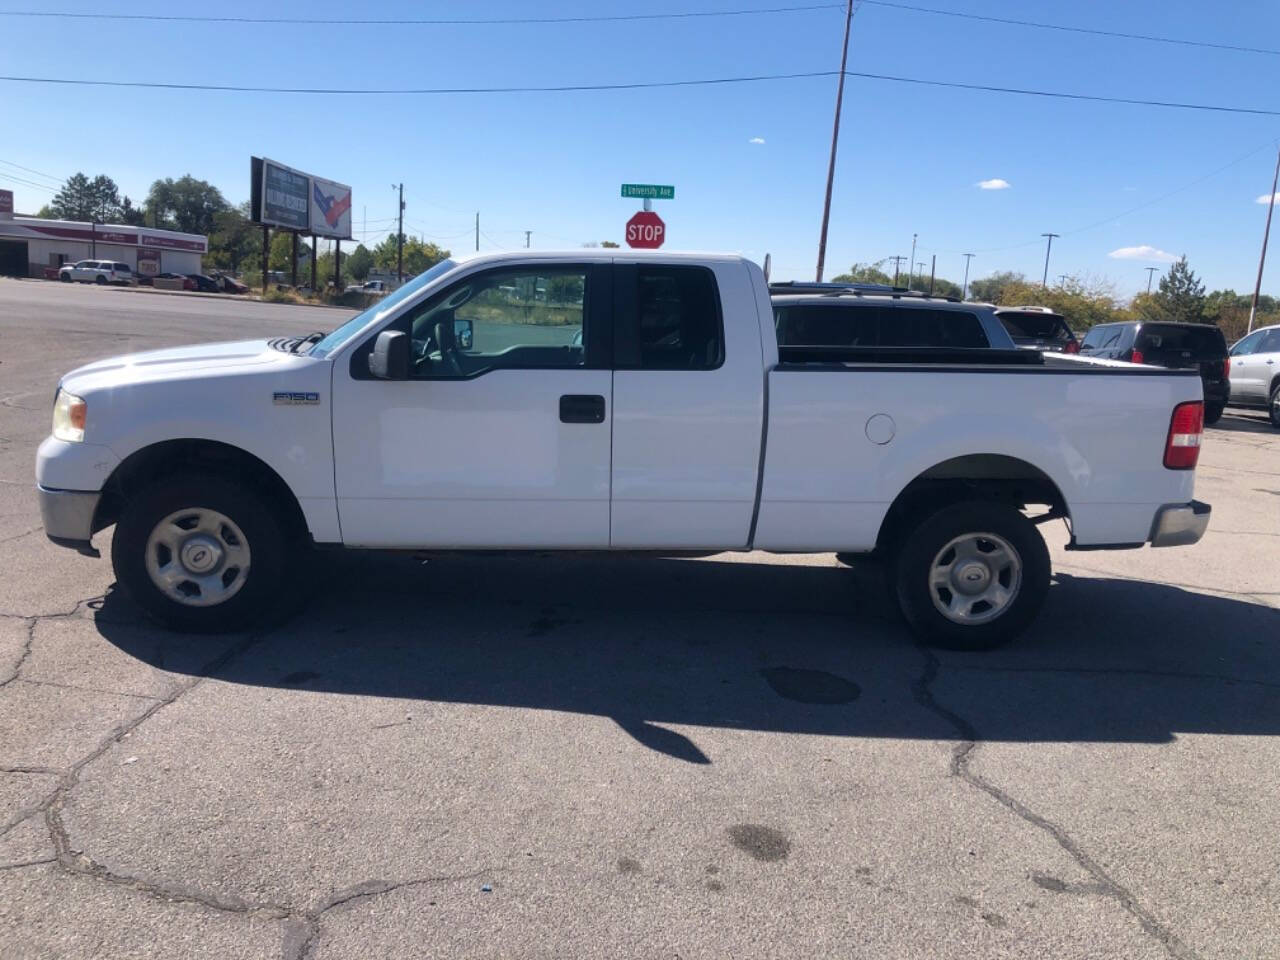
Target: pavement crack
{"points": [[27, 863], [83, 689], [26, 653], [1103, 883]]}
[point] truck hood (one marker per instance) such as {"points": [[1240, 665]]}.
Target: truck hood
{"points": [[177, 363]]}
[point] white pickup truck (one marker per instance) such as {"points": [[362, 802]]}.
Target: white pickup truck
{"points": [[596, 400]]}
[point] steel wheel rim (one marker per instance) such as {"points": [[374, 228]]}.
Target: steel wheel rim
{"points": [[975, 578], [198, 557]]}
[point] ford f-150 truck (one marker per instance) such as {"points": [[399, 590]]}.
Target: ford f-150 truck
{"points": [[601, 401]]}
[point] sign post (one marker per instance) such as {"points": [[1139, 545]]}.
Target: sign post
{"points": [[646, 231]]}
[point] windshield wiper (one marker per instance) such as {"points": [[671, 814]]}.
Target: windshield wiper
{"points": [[307, 341]]}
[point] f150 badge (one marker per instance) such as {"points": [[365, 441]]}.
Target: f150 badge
{"points": [[288, 399]]}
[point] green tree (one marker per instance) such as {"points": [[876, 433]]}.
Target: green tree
{"points": [[418, 255], [1180, 298], [188, 204], [235, 241], [609, 245], [989, 289], [80, 198], [130, 214], [863, 273], [359, 263]]}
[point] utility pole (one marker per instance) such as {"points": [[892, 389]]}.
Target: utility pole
{"points": [[477, 231], [911, 262], [1044, 281], [400, 240], [897, 262], [933, 273], [835, 136], [964, 294], [1150, 273], [1266, 233], [1062, 279], [527, 235]]}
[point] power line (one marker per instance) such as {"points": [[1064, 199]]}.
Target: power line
{"points": [[421, 21], [48, 176], [11, 178], [1092, 31], [648, 85]]}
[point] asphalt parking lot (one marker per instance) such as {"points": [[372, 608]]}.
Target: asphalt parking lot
{"points": [[553, 756]]}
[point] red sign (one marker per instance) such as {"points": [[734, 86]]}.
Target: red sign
{"points": [[646, 231]]}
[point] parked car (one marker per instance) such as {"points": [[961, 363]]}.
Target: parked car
{"points": [[203, 283], [844, 317], [1175, 346], [229, 284], [679, 424], [783, 287], [1255, 371], [1038, 328], [96, 271], [187, 282]]}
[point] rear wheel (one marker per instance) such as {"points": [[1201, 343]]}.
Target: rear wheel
{"points": [[200, 554], [1213, 412], [971, 576], [1273, 407]]}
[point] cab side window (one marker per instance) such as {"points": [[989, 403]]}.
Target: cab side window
{"points": [[1249, 344], [668, 318]]}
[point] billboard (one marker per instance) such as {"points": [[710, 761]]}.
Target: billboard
{"points": [[330, 209], [285, 196], [281, 196], [6, 202]]}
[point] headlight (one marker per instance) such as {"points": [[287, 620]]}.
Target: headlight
{"points": [[68, 417]]}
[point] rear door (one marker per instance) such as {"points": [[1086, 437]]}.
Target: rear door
{"points": [[1262, 365], [500, 438], [688, 405]]}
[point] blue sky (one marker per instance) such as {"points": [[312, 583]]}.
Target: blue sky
{"points": [[911, 157]]}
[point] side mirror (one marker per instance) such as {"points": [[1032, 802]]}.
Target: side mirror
{"points": [[390, 357], [463, 334]]}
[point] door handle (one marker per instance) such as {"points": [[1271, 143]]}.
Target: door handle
{"points": [[1270, 362], [581, 408]]}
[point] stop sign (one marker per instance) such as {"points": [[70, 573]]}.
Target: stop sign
{"points": [[646, 230]]}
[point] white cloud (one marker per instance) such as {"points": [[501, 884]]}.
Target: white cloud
{"points": [[1144, 252], [1266, 198], [994, 184], [756, 140]]}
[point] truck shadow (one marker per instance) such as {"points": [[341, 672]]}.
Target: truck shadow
{"points": [[767, 646], [1244, 420]]}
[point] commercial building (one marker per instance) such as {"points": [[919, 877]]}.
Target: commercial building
{"points": [[32, 247]]}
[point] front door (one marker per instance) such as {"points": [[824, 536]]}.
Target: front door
{"points": [[501, 437], [1247, 369]]}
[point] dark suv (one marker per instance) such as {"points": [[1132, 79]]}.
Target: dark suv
{"points": [[1172, 345]]}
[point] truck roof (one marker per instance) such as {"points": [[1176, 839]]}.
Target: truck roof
{"points": [[598, 253]]}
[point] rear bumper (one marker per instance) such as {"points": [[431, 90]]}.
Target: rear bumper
{"points": [[1179, 524], [68, 517]]}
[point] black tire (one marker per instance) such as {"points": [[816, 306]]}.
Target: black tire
{"points": [[101, 280], [64, 277], [1213, 412], [1273, 405], [922, 544], [269, 545]]}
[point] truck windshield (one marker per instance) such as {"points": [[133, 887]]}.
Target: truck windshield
{"points": [[379, 310]]}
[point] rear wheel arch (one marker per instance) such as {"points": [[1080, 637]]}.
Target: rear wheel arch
{"points": [[985, 476], [144, 466]]}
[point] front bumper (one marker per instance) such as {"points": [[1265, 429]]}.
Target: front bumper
{"points": [[68, 517], [1179, 524]]}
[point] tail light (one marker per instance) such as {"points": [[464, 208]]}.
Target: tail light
{"points": [[1071, 347], [1135, 356], [1182, 448], [1226, 368]]}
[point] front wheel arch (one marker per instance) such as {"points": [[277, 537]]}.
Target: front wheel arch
{"points": [[142, 467]]}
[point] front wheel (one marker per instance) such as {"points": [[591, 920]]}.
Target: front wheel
{"points": [[101, 280], [1273, 407], [199, 553], [64, 277], [971, 576]]}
